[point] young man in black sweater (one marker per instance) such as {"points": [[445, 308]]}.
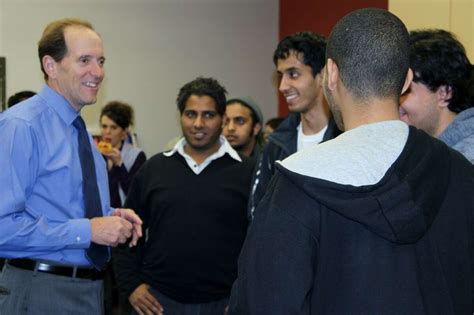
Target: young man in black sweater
{"points": [[193, 203]]}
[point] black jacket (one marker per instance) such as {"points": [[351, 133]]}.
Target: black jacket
{"points": [[404, 245], [281, 144]]}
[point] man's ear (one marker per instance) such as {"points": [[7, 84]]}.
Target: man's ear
{"points": [[50, 66], [408, 80], [332, 73], [257, 128], [444, 94]]}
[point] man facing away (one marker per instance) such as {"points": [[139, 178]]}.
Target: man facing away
{"points": [[193, 203], [379, 220], [54, 209], [243, 126], [438, 98], [299, 59]]}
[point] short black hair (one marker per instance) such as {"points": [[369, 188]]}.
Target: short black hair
{"points": [[312, 46], [200, 87], [438, 59], [19, 97], [274, 122], [120, 112], [370, 48]]}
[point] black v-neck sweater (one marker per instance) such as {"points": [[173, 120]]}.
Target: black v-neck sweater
{"points": [[194, 228]]}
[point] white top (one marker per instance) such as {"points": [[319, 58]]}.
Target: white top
{"points": [[198, 168], [357, 157], [306, 141]]}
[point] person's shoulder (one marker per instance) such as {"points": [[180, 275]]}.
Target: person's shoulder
{"points": [[27, 111], [244, 165], [131, 151], [287, 128], [151, 166], [462, 152], [282, 142], [288, 195], [247, 162], [23, 119], [455, 155], [466, 147], [157, 159], [136, 149]]}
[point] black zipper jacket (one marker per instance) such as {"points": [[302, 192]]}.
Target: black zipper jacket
{"points": [[404, 245], [281, 144]]}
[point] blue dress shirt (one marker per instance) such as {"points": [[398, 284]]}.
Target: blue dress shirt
{"points": [[42, 212]]}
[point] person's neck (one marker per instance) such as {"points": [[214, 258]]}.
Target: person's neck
{"points": [[200, 155], [356, 114], [248, 149], [445, 119], [317, 118], [119, 145], [53, 84]]}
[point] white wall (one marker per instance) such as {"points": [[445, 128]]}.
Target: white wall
{"points": [[153, 47], [455, 16]]}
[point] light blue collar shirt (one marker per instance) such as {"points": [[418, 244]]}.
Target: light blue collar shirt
{"points": [[41, 200]]}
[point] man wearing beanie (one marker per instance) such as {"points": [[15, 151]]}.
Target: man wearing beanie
{"points": [[243, 126]]}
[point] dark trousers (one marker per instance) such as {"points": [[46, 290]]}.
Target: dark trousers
{"points": [[172, 307]]}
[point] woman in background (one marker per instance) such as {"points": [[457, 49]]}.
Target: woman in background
{"points": [[123, 161], [123, 158]]}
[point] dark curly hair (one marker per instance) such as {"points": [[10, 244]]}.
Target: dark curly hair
{"points": [[470, 87], [200, 87], [311, 45], [120, 112], [437, 59]]}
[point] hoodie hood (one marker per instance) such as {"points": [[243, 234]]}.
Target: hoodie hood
{"points": [[403, 204]]}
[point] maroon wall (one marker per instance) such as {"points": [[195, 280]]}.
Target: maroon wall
{"points": [[318, 16]]}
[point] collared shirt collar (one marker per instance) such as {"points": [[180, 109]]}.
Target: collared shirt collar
{"points": [[198, 168], [59, 104]]}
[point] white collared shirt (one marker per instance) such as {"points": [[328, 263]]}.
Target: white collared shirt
{"points": [[198, 168]]}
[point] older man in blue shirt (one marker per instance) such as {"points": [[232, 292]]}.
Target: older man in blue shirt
{"points": [[51, 177]]}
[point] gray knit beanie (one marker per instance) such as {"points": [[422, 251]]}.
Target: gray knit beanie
{"points": [[250, 103]]}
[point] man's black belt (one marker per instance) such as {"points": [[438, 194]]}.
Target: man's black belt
{"points": [[73, 272]]}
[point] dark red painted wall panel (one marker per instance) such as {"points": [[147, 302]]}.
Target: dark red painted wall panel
{"points": [[318, 16]]}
